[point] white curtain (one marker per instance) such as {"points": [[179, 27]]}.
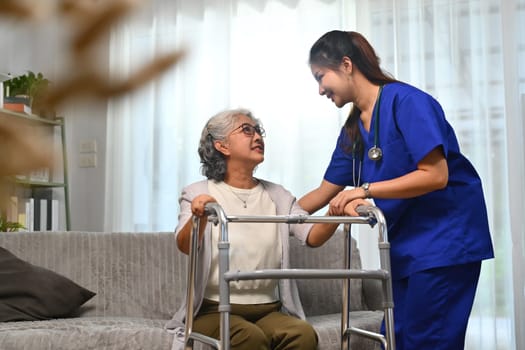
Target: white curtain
{"points": [[254, 54], [250, 54]]}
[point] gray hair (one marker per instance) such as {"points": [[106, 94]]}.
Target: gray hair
{"points": [[218, 128]]}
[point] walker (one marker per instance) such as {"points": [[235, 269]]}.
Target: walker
{"points": [[368, 215]]}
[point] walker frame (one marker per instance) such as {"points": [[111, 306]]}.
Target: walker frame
{"points": [[370, 215]]}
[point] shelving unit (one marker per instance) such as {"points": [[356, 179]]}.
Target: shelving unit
{"points": [[32, 185]]}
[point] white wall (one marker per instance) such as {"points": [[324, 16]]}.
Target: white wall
{"points": [[86, 121]]}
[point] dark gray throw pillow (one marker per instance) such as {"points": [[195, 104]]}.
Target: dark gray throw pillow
{"points": [[29, 292]]}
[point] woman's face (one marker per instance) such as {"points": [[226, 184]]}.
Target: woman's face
{"points": [[334, 84], [244, 144]]}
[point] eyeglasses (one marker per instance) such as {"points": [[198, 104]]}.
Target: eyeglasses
{"points": [[250, 130]]}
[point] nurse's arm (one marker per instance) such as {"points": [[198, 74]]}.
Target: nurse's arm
{"points": [[319, 197], [431, 175]]}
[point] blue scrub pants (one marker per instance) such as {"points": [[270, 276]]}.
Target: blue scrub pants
{"points": [[432, 307]]}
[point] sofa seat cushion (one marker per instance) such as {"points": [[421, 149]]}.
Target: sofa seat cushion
{"points": [[328, 328], [94, 333], [86, 333]]}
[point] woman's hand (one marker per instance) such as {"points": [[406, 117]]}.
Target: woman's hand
{"points": [[350, 208], [199, 202], [339, 202], [197, 209]]}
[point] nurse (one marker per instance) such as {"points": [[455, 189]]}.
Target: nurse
{"points": [[397, 148]]}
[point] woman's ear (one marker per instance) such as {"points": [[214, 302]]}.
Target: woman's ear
{"points": [[347, 65], [221, 147]]}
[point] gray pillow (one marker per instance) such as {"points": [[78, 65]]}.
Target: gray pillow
{"points": [[29, 292]]}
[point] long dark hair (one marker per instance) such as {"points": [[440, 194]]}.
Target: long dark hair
{"points": [[329, 51]]}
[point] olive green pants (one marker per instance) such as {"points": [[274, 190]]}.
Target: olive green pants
{"points": [[259, 326]]}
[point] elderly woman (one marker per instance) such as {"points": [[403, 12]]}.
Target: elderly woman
{"points": [[266, 314]]}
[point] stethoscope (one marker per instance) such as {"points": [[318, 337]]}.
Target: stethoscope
{"points": [[374, 153]]}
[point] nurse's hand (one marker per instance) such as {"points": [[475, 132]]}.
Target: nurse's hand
{"points": [[338, 203], [351, 206]]}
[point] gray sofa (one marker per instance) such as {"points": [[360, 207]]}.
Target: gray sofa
{"points": [[140, 281]]}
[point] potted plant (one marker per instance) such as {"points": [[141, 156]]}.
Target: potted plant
{"points": [[30, 89], [8, 226]]}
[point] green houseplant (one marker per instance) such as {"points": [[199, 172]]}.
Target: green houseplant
{"points": [[8, 226], [32, 86]]}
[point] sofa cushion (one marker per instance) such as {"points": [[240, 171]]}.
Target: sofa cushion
{"points": [[324, 296], [328, 329], [86, 333], [30, 292], [128, 333]]}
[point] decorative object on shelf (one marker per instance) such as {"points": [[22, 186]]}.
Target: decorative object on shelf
{"points": [[9, 226], [29, 90]]}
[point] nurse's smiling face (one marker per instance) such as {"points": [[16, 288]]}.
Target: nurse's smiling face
{"points": [[334, 84]]}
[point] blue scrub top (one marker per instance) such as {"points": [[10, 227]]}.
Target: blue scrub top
{"points": [[441, 228]]}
